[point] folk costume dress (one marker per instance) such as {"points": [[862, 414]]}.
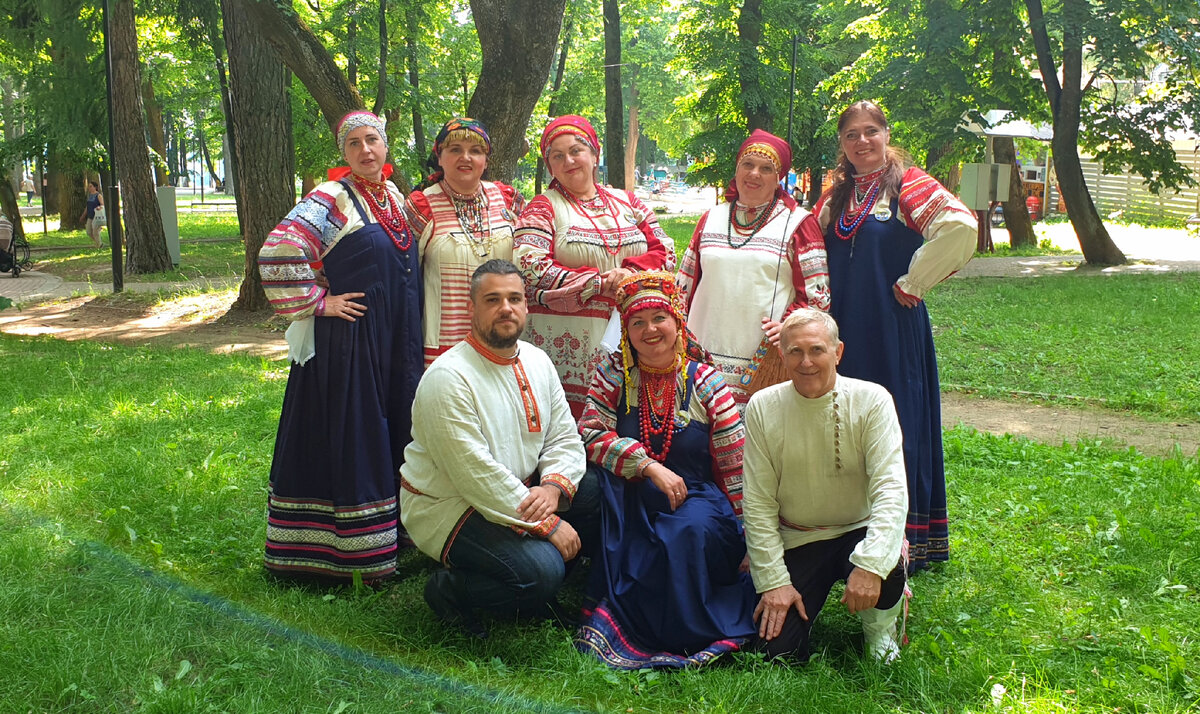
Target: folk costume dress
{"points": [[665, 590], [732, 277], [562, 245], [914, 241], [455, 236], [346, 418]]}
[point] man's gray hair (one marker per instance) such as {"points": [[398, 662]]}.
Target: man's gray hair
{"points": [[805, 316]]}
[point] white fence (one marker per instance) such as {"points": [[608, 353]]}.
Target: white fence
{"points": [[1128, 195]]}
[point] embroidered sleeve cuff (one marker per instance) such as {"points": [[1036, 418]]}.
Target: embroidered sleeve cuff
{"points": [[560, 482], [640, 471], [546, 527], [906, 286]]}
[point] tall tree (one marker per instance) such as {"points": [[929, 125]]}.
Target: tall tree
{"points": [[750, 33], [1066, 100], [614, 112], [146, 243], [1016, 218], [518, 40], [262, 136], [154, 127], [552, 108]]}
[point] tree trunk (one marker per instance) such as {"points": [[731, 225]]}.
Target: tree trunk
{"points": [[632, 140], [227, 110], [1016, 218], [412, 20], [1065, 101], [552, 111], [154, 126], [206, 155], [8, 202], [750, 32], [381, 92], [262, 133], [614, 111], [351, 39], [146, 245], [66, 192], [304, 54], [517, 39], [308, 182]]}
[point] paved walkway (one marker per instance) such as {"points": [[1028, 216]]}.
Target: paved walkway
{"points": [[35, 287]]}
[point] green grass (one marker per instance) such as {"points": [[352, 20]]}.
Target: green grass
{"points": [[1126, 341], [680, 229], [132, 494], [210, 247]]}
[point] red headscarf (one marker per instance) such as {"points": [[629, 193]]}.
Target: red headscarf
{"points": [[765, 144], [569, 124]]}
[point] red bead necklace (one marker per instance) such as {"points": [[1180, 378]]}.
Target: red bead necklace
{"points": [[385, 210], [608, 210], [656, 408]]}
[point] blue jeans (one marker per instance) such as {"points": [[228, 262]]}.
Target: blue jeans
{"points": [[496, 569]]}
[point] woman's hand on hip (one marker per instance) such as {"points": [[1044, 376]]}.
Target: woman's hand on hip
{"points": [[904, 298], [343, 306]]}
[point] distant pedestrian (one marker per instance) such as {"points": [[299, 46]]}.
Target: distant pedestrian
{"points": [[94, 201], [27, 187]]}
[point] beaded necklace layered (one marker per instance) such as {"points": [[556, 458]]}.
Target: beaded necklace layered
{"points": [[747, 230], [656, 406], [866, 192], [473, 216], [601, 204], [385, 210]]}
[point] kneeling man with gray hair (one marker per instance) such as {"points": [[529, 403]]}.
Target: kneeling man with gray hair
{"points": [[825, 495]]}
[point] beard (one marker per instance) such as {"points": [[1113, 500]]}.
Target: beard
{"points": [[498, 341]]}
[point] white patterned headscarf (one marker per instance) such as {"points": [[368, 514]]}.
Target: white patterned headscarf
{"points": [[353, 121]]}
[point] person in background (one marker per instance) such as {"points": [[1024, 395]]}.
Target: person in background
{"points": [[94, 201], [892, 232], [27, 187]]}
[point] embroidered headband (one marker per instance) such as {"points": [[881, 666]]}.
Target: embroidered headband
{"points": [[355, 120], [459, 129]]}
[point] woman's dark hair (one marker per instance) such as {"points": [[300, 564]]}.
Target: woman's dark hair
{"points": [[93, 183], [843, 174]]}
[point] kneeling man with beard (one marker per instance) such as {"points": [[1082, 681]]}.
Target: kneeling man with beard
{"points": [[493, 483]]}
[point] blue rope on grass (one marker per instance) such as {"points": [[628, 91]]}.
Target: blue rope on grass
{"points": [[236, 612]]}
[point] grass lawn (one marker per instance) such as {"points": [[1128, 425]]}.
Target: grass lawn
{"points": [[210, 247], [132, 494], [1125, 341]]}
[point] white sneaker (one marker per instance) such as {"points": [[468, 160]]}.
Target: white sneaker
{"points": [[879, 632]]}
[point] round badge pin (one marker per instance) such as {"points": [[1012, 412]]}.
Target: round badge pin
{"points": [[882, 214]]}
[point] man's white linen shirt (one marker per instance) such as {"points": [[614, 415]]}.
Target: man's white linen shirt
{"points": [[482, 425], [794, 492]]}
